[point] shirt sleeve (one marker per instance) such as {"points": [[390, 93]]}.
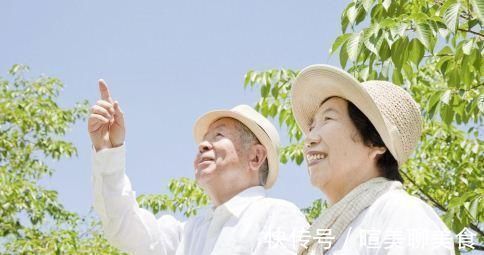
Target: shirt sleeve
{"points": [[126, 225], [282, 231]]}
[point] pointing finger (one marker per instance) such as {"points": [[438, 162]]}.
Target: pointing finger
{"points": [[103, 88]]}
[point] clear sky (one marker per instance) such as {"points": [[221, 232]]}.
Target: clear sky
{"points": [[166, 62]]}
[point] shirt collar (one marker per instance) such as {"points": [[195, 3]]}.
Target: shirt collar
{"points": [[237, 204]]}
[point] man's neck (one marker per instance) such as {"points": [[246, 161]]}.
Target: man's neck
{"points": [[220, 195]]}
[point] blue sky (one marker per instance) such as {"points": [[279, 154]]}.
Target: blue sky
{"points": [[166, 62]]}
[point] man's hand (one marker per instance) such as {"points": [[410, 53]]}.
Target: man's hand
{"points": [[106, 122]]}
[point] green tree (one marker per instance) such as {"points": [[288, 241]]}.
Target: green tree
{"points": [[186, 198], [433, 49], [32, 220]]}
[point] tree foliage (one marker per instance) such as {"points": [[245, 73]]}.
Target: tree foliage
{"points": [[32, 124], [32, 219], [186, 197], [433, 49]]}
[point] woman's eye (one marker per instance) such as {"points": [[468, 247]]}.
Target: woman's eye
{"points": [[219, 135], [328, 118]]}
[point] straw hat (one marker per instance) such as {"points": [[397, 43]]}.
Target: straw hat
{"points": [[258, 124], [393, 112]]}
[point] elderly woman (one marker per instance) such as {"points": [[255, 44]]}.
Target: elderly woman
{"points": [[357, 135]]}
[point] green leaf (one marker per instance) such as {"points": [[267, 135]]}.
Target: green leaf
{"points": [[467, 47], [340, 40], [353, 46], [446, 51], [478, 7], [416, 51], [399, 52], [384, 51], [398, 28], [408, 70], [344, 18], [370, 44], [371, 39], [446, 97], [473, 208], [454, 77], [397, 77], [343, 55], [451, 16], [425, 35], [447, 114], [480, 103], [434, 99], [363, 73], [247, 78], [367, 4], [386, 4], [352, 13], [264, 90]]}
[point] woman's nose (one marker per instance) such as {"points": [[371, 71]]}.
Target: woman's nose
{"points": [[311, 139]]}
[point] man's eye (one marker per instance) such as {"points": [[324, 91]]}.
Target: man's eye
{"points": [[219, 135], [328, 118]]}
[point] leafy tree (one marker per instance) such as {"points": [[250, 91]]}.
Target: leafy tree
{"points": [[433, 49], [32, 220], [186, 198]]}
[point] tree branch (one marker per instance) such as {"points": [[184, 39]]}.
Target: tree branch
{"points": [[437, 204], [478, 247], [477, 86], [470, 31], [438, 55]]}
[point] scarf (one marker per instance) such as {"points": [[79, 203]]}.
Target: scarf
{"points": [[338, 216]]}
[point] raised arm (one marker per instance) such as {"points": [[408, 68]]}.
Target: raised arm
{"points": [[126, 225]]}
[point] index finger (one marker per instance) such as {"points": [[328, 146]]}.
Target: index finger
{"points": [[103, 88]]}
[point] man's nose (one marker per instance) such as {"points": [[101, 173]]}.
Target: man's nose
{"points": [[204, 146]]}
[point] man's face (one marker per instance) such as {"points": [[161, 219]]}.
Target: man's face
{"points": [[334, 151], [220, 159]]}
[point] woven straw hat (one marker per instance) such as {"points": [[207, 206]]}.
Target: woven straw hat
{"points": [[393, 112], [258, 124]]}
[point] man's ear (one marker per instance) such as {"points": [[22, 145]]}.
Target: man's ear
{"points": [[376, 151], [257, 156]]}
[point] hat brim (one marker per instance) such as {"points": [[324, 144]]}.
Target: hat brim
{"points": [[317, 83], [202, 124]]}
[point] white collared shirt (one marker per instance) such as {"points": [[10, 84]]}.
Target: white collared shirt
{"points": [[249, 223]]}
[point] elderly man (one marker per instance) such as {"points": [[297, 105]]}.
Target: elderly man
{"points": [[236, 159]]}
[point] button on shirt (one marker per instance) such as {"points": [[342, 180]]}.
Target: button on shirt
{"points": [[249, 223]]}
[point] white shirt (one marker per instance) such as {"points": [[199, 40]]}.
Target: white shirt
{"points": [[396, 223], [249, 223]]}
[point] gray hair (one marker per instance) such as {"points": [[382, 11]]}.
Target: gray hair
{"points": [[248, 139]]}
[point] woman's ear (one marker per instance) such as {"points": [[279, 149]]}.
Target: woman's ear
{"points": [[257, 156], [376, 151]]}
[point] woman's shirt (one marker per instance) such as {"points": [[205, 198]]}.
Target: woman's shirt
{"points": [[396, 223]]}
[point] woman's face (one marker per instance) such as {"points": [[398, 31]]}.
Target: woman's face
{"points": [[337, 158]]}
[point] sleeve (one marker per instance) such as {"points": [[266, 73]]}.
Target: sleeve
{"points": [[126, 225], [283, 229]]}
